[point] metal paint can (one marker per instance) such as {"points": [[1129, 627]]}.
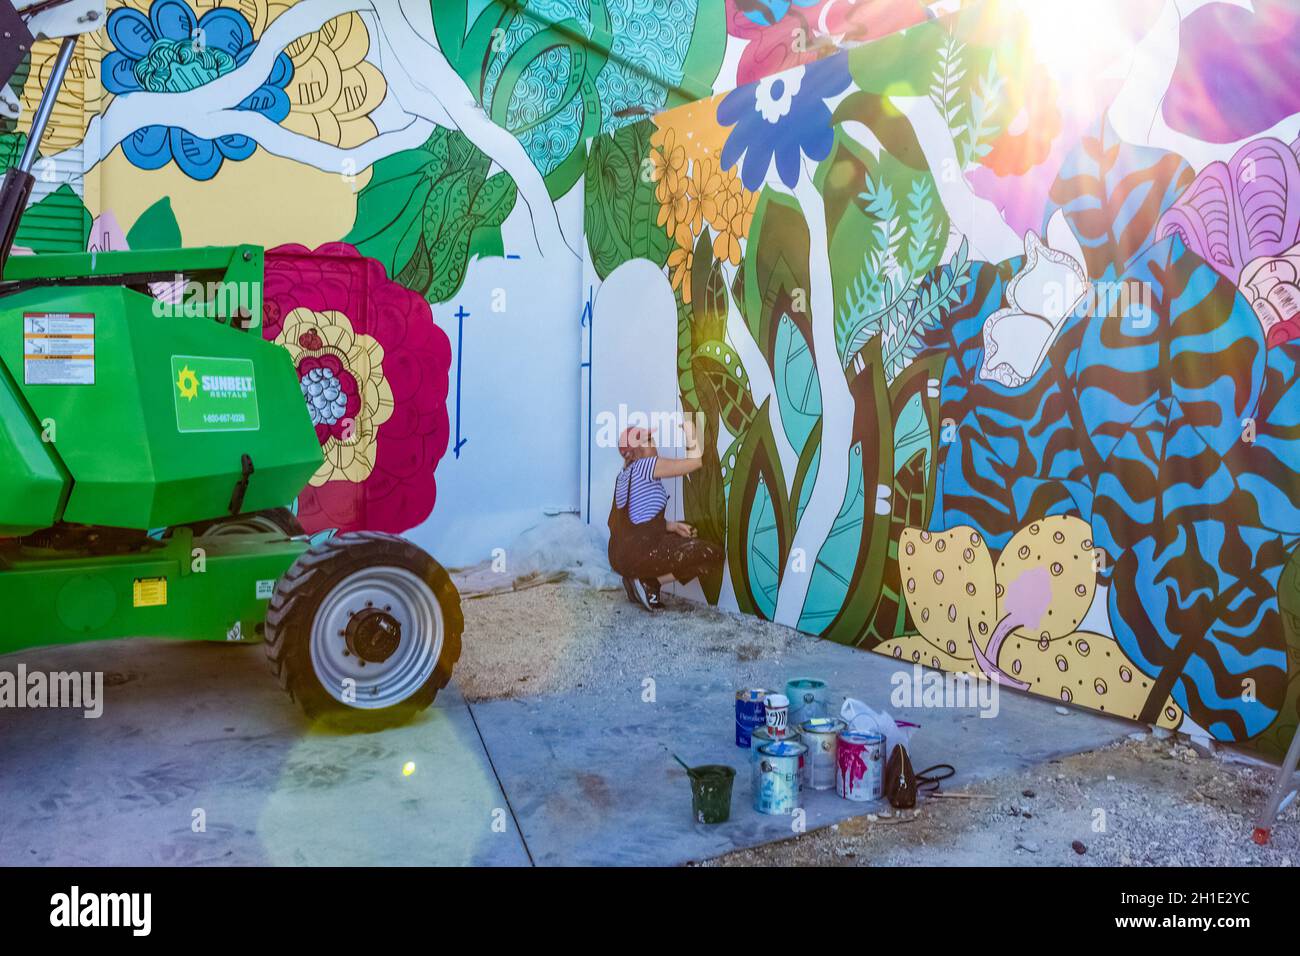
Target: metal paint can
{"points": [[750, 713], [759, 738], [821, 736], [807, 696], [860, 766], [777, 713], [778, 777]]}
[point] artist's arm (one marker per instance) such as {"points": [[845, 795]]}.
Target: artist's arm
{"points": [[693, 461]]}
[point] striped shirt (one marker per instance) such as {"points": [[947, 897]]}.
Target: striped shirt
{"points": [[647, 491]]}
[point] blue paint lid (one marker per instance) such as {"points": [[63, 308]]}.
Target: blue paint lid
{"points": [[822, 725], [783, 748]]}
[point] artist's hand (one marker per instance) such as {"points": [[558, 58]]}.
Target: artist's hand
{"points": [[692, 439], [682, 528]]}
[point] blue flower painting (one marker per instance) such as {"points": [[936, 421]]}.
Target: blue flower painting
{"points": [[173, 51], [782, 118]]}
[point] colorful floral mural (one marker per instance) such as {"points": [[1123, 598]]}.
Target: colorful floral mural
{"points": [[373, 368], [380, 149], [992, 272], [997, 379]]}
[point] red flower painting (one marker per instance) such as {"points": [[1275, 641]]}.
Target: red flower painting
{"points": [[374, 372], [786, 33]]}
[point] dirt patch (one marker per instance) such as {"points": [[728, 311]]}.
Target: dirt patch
{"points": [[558, 637]]}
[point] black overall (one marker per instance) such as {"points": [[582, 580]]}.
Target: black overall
{"points": [[649, 550]]}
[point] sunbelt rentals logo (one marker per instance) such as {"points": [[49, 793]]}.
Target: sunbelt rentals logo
{"points": [[188, 383], [214, 393], [214, 386]]}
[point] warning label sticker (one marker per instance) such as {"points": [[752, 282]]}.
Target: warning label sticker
{"points": [[149, 592], [58, 348]]}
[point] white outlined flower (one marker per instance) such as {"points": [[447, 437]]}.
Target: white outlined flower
{"points": [[1042, 295]]}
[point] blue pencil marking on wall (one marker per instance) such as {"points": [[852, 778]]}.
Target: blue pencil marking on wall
{"points": [[461, 316], [588, 322]]}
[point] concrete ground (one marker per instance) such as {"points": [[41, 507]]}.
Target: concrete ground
{"points": [[554, 749]]}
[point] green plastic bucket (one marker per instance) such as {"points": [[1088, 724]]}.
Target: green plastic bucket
{"points": [[711, 792]]}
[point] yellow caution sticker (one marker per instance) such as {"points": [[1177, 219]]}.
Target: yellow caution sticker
{"points": [[149, 592]]}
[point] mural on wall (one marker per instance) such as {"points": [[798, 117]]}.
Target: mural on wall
{"points": [[392, 145], [378, 148], [968, 280], [996, 375]]}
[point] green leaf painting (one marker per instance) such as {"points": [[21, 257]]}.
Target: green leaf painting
{"points": [[911, 433], [798, 390], [705, 507], [873, 428], [895, 295], [556, 73], [156, 228], [832, 572], [776, 271], [758, 520], [58, 223], [709, 298], [723, 386], [427, 211], [622, 213], [11, 149]]}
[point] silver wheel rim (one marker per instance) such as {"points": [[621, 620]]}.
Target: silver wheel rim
{"points": [[253, 524], [373, 685]]}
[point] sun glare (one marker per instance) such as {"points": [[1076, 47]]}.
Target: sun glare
{"points": [[1069, 36]]}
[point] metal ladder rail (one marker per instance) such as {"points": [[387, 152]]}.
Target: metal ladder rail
{"points": [[1284, 785]]}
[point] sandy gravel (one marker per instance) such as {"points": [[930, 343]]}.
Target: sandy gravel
{"points": [[1160, 802], [557, 637]]}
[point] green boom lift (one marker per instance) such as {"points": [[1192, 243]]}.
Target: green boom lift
{"points": [[147, 452]]}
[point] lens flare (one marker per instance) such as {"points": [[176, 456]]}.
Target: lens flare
{"points": [[1070, 36]]}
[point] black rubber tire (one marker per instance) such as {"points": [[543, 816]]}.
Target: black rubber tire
{"points": [[297, 597], [281, 518]]}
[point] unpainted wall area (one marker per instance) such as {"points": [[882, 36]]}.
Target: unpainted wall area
{"points": [[995, 325]]}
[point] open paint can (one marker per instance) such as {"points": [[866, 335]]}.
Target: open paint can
{"points": [[821, 736], [778, 777], [776, 711], [807, 696], [711, 792], [757, 739]]}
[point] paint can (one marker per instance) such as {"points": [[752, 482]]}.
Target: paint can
{"points": [[776, 711], [821, 736], [778, 777], [711, 792], [807, 696], [860, 766], [750, 714], [757, 739]]}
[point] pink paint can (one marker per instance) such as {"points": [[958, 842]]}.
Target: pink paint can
{"points": [[860, 766]]}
